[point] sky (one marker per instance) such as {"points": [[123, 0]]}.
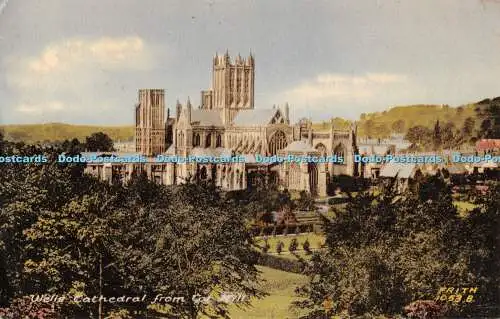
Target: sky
{"points": [[83, 61]]}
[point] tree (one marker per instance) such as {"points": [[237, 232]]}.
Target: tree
{"points": [[293, 245], [437, 137], [73, 147], [398, 126], [307, 247], [262, 198], [385, 252], [369, 127], [266, 246], [279, 247], [195, 245], [419, 135], [448, 135], [305, 202], [99, 142], [489, 113], [65, 233], [468, 127]]}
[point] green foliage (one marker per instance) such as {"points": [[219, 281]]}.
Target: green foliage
{"points": [[387, 251], [482, 118], [400, 119], [99, 142], [305, 202], [307, 247], [293, 245], [488, 112], [278, 262], [442, 136], [65, 233], [263, 197], [279, 247], [266, 246]]}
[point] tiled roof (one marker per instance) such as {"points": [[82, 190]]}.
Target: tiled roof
{"points": [[400, 170], [170, 150], [488, 144]]}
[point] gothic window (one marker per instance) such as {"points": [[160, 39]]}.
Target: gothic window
{"points": [[312, 169], [294, 177], [277, 142], [321, 148], [196, 139], [203, 173], [208, 140], [218, 142], [339, 150]]}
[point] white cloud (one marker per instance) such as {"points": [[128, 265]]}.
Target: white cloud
{"points": [[66, 76], [38, 109], [104, 53], [332, 87]]}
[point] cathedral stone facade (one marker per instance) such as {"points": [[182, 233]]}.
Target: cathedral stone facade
{"points": [[227, 123]]}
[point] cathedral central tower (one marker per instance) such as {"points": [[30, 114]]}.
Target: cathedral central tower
{"points": [[232, 84]]}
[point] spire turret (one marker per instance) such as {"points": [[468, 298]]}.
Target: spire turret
{"points": [[189, 108], [178, 109]]}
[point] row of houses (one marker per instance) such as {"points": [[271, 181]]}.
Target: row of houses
{"points": [[405, 174]]}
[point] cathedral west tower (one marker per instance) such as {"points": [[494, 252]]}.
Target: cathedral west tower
{"points": [[150, 122]]}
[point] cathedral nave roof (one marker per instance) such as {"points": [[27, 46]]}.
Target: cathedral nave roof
{"points": [[254, 117], [207, 117]]}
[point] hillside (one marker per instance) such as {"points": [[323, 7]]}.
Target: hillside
{"points": [[59, 132], [400, 118]]}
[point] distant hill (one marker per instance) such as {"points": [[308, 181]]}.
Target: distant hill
{"points": [[31, 133], [399, 119]]}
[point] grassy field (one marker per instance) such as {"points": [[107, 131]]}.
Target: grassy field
{"points": [[281, 286]]}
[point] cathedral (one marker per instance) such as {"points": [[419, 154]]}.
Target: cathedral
{"points": [[227, 123]]}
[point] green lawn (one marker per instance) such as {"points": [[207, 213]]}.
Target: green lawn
{"points": [[464, 207], [281, 286]]}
